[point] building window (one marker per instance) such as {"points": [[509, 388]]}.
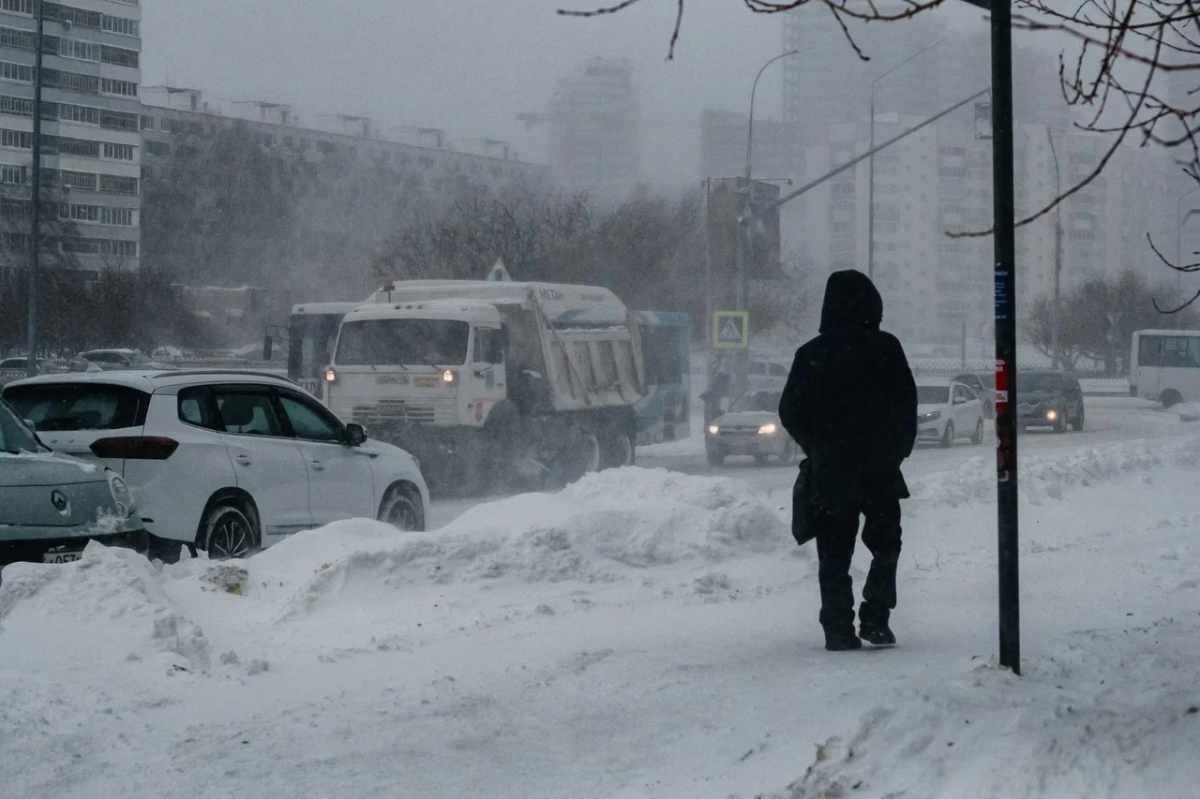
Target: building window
{"points": [[20, 139], [13, 175], [158, 148], [116, 120], [71, 81], [20, 73], [147, 123], [18, 38], [79, 181], [121, 88], [83, 246], [121, 25], [118, 185], [119, 152], [18, 6], [65, 145], [289, 143], [268, 140], [119, 56], [81, 114], [16, 106], [82, 51]]}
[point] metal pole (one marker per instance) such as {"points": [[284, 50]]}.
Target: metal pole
{"points": [[812, 184], [871, 194], [708, 297], [1058, 253], [1006, 335], [35, 174]]}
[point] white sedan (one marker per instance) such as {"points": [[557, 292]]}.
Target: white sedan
{"points": [[947, 412]]}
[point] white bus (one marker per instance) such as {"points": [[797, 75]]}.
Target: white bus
{"points": [[1165, 366]]}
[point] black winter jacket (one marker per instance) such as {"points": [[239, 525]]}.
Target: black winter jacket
{"points": [[850, 400]]}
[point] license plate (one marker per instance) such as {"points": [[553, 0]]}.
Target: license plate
{"points": [[62, 557], [391, 380]]}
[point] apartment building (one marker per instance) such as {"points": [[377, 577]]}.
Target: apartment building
{"points": [[90, 143], [595, 129]]}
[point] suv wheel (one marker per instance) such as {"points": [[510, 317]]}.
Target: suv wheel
{"points": [[948, 437], [402, 510], [228, 532]]}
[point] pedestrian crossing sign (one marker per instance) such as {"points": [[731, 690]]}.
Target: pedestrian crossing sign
{"points": [[731, 330]]}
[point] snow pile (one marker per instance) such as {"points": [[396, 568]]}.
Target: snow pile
{"points": [[1186, 411], [108, 605], [1113, 715], [595, 530], [1045, 477]]}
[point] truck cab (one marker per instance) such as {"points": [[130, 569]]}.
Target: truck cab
{"points": [[436, 363]]}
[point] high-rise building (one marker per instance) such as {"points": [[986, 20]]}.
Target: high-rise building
{"points": [[776, 151], [595, 129], [91, 146]]}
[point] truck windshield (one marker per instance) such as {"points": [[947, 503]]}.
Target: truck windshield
{"points": [[399, 342]]}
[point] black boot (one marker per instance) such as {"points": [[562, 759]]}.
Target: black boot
{"points": [[842, 639], [877, 634]]}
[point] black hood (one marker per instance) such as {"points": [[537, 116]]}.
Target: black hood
{"points": [[851, 300]]}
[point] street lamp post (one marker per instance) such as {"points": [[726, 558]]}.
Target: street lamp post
{"points": [[35, 175], [743, 287], [1058, 254], [871, 162]]}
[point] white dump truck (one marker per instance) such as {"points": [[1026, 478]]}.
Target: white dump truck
{"points": [[484, 380]]}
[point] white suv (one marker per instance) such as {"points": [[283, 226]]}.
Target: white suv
{"points": [[226, 461]]}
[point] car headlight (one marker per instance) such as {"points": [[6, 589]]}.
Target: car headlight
{"points": [[713, 429], [122, 496], [768, 429], [1051, 415], [932, 416]]}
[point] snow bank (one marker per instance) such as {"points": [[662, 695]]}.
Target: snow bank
{"points": [[108, 607], [597, 529], [1110, 716], [1045, 477]]}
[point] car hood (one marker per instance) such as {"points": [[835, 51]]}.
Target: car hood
{"points": [[748, 418], [929, 408], [46, 469]]}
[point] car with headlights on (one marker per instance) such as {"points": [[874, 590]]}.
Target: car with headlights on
{"points": [[751, 426], [1049, 399], [52, 505], [947, 412]]}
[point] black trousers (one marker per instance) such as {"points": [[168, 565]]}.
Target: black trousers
{"points": [[837, 532]]}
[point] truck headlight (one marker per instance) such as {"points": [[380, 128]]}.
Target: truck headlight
{"points": [[713, 429], [330, 376], [449, 377], [1051, 416], [768, 429]]}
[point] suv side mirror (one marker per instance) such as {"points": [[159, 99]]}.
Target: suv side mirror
{"points": [[356, 434], [268, 347], [960, 399]]}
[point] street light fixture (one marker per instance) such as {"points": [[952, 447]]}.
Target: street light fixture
{"points": [[871, 162], [35, 197], [753, 92]]}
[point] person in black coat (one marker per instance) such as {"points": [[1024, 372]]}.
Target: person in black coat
{"points": [[851, 404]]}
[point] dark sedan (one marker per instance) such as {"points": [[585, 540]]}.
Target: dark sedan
{"points": [[1049, 399]]}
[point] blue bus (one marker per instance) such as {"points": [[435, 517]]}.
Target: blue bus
{"points": [[664, 413]]}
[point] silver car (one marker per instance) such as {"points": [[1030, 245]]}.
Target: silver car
{"points": [[751, 426], [52, 505]]}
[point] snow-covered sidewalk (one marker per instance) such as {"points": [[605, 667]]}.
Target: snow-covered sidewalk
{"points": [[643, 633]]}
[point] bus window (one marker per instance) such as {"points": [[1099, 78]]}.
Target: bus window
{"points": [[1149, 350]]}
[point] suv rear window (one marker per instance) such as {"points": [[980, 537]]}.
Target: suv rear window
{"points": [[83, 406]]}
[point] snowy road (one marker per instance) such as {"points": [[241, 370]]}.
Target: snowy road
{"points": [[647, 633], [1109, 420]]}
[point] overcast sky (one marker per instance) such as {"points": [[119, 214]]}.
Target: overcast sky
{"points": [[470, 66]]}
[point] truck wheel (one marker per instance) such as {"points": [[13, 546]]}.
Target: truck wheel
{"points": [[1170, 398], [619, 450]]}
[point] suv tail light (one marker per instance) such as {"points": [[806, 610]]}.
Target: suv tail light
{"points": [[135, 448]]}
